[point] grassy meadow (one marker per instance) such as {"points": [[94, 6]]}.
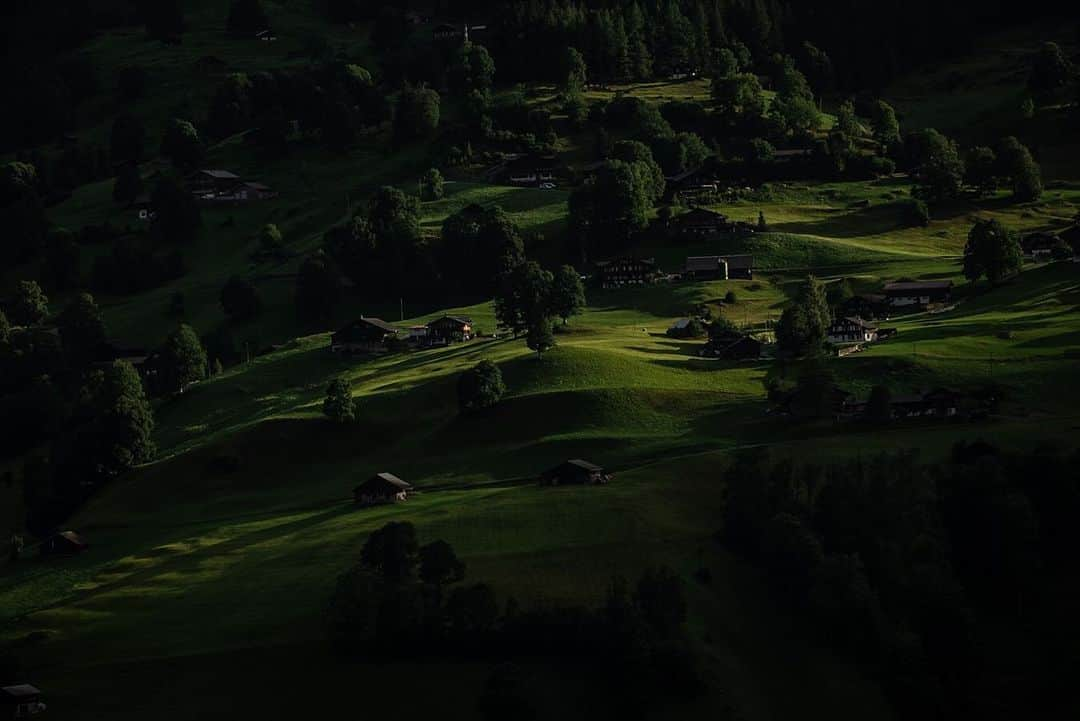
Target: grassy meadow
{"points": [[209, 568]]}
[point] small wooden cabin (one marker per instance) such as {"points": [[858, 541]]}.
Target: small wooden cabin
{"points": [[381, 488], [64, 543], [852, 329], [20, 701], [575, 472]]}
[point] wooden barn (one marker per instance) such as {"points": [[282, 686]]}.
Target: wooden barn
{"points": [[20, 701], [381, 488], [364, 335], [719, 267], [64, 543], [575, 472]]}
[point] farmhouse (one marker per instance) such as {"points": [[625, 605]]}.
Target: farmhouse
{"points": [[918, 293], [20, 701], [449, 329], [626, 271], [574, 472], [365, 335], [852, 329], [719, 267], [531, 169], [703, 222], [381, 488], [64, 543]]}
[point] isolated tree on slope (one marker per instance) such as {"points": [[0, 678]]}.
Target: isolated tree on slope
{"points": [[183, 359], [480, 387], [567, 293], [339, 405], [993, 251]]}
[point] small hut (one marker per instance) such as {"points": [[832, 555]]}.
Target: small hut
{"points": [[64, 543], [575, 472], [381, 488], [20, 701]]}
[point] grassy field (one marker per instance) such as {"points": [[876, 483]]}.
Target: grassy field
{"points": [[203, 586]]}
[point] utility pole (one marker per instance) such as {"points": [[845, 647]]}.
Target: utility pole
{"points": [[401, 302]]}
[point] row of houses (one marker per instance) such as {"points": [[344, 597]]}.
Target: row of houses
{"points": [[628, 270], [374, 335], [384, 487], [937, 403]]}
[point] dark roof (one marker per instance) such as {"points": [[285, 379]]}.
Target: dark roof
{"points": [[72, 538], [917, 285], [645, 261], [703, 262], [220, 174], [19, 691], [702, 215], [585, 465], [712, 262], [679, 177], [857, 321], [463, 320], [374, 322], [389, 478], [739, 261]]}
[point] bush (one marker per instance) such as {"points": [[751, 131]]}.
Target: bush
{"points": [[730, 298], [480, 387]]}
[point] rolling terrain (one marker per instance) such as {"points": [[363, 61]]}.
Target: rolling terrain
{"points": [[213, 563]]}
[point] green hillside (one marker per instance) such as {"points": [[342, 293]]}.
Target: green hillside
{"points": [[210, 567]]}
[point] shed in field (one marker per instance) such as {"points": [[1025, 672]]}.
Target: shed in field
{"points": [[64, 543], [575, 472], [381, 488]]}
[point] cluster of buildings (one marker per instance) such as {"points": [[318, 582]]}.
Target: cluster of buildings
{"points": [[374, 335], [854, 321]]}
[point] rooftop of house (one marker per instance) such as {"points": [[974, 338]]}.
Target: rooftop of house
{"points": [[702, 214], [916, 285], [644, 261], [856, 321], [389, 478], [374, 322], [585, 465], [220, 174], [19, 691]]}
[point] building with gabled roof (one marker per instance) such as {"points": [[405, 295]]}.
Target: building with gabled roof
{"points": [[383, 487], [363, 335], [575, 471]]}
